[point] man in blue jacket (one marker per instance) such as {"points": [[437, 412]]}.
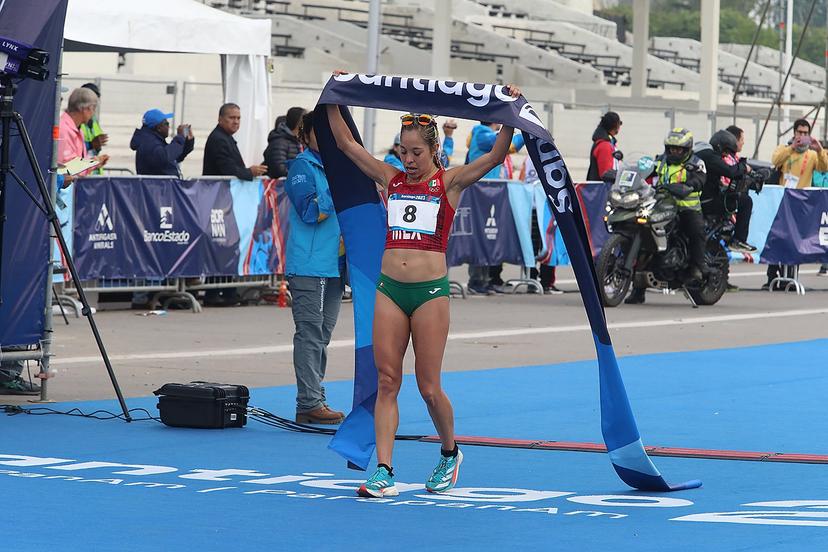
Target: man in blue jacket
{"points": [[313, 276], [153, 155]]}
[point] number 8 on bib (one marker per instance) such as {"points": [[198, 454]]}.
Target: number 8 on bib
{"points": [[413, 212]]}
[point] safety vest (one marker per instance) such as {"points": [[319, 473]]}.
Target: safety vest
{"points": [[677, 174], [90, 131]]}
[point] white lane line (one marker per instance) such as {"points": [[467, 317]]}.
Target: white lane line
{"points": [[732, 275], [339, 343]]}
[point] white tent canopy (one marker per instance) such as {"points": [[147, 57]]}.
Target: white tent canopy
{"points": [[186, 26]]}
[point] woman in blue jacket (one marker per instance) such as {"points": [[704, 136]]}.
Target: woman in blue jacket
{"points": [[313, 276]]}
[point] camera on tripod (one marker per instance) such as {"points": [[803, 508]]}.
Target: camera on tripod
{"points": [[23, 60]]}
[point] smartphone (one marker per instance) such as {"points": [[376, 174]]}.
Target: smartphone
{"points": [[185, 130]]}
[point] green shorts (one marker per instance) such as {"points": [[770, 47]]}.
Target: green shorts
{"points": [[410, 296]]}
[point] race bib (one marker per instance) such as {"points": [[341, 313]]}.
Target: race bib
{"points": [[413, 212], [791, 181]]}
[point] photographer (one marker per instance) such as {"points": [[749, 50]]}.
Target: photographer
{"points": [[153, 155], [723, 192], [796, 161]]}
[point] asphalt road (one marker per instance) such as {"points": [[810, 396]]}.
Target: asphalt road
{"points": [[252, 345]]}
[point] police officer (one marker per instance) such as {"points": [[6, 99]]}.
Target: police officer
{"points": [[682, 174]]}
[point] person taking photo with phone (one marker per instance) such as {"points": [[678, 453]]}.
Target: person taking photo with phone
{"points": [[153, 155]]}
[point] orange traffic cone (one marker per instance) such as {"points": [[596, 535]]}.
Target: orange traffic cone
{"points": [[283, 296]]}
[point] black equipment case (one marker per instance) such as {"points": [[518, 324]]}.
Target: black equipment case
{"points": [[204, 405]]}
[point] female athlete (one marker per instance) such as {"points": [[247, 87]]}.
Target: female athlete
{"points": [[413, 290]]}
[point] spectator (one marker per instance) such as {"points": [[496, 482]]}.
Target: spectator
{"points": [[393, 155], [796, 161], [11, 383], [79, 110], [93, 135], [486, 280], [283, 143], [448, 142], [313, 276], [223, 158], [604, 140], [153, 155], [546, 272], [221, 153]]}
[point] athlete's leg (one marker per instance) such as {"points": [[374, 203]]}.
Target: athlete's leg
{"points": [[429, 331], [391, 334]]}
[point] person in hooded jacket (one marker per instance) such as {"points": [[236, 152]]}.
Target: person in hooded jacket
{"points": [[153, 155], [313, 276], [283, 143], [601, 157]]}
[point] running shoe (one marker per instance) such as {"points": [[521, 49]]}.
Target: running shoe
{"points": [[445, 474], [379, 485], [742, 247]]}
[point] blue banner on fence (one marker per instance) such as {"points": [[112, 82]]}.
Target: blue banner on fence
{"points": [[484, 232], [157, 228], [799, 232], [788, 226]]}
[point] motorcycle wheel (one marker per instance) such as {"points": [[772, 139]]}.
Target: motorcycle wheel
{"points": [[715, 285], [612, 278]]}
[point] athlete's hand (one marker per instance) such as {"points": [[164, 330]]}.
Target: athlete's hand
{"points": [[337, 72], [514, 91]]}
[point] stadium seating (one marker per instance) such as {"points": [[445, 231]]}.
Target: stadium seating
{"points": [[759, 80]]}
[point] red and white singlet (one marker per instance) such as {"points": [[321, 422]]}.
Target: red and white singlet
{"points": [[419, 215]]}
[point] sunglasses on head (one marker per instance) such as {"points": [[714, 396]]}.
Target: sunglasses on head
{"points": [[419, 118]]}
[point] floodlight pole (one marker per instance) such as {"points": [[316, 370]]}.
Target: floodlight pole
{"points": [[372, 68]]}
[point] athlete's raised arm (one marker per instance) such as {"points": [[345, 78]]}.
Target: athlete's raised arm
{"points": [[459, 178], [376, 170]]}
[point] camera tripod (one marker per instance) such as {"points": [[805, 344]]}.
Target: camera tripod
{"points": [[9, 117]]}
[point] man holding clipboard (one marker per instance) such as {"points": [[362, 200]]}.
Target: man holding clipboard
{"points": [[71, 146]]}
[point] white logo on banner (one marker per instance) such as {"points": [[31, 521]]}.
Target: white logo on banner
{"points": [[104, 221], [528, 113], [462, 222], [104, 236], [168, 235], [481, 94], [217, 226], [823, 230], [491, 225], [166, 218]]}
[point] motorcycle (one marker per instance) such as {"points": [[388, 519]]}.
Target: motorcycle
{"points": [[646, 246]]}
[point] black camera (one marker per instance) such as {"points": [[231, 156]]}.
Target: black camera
{"points": [[21, 60]]}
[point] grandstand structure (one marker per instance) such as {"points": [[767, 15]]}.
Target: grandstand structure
{"points": [[570, 64]]}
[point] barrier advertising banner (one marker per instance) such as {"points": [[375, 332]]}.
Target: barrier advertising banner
{"points": [[158, 227], [484, 232]]}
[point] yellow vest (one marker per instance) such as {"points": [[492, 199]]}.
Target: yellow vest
{"points": [[677, 174]]}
